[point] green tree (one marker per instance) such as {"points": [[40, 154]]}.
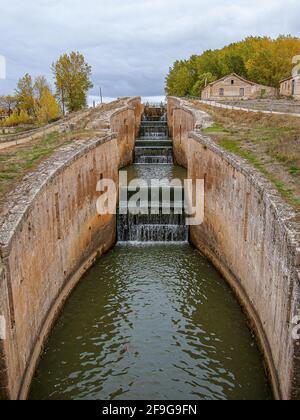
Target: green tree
{"points": [[260, 59], [203, 80], [25, 95], [72, 80], [234, 63], [180, 80]]}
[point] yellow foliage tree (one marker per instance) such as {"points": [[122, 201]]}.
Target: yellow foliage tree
{"points": [[24, 118], [46, 108], [272, 60], [16, 119], [259, 59]]}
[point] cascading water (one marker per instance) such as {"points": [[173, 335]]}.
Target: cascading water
{"points": [[163, 221]]}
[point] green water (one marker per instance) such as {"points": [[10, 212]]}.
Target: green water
{"points": [[151, 322]]}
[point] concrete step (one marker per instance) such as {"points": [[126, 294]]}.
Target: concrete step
{"points": [[158, 194], [153, 143], [153, 151]]}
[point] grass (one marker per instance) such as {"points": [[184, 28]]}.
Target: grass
{"points": [[294, 170], [234, 147], [17, 162], [270, 143], [216, 128]]}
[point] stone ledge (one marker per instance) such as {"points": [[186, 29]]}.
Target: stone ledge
{"points": [[269, 291], [288, 218], [201, 118], [20, 199], [34, 284], [102, 119]]}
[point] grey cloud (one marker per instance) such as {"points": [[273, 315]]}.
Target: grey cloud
{"points": [[131, 43]]}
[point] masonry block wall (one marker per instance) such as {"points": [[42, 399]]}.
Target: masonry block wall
{"points": [[50, 234], [252, 237]]}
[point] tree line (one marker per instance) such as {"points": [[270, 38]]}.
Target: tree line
{"points": [[262, 60], [33, 100]]}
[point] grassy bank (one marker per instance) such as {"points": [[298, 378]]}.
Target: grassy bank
{"points": [[270, 143], [18, 161]]}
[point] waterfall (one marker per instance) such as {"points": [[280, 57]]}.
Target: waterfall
{"points": [[162, 221], [159, 160], [154, 233]]}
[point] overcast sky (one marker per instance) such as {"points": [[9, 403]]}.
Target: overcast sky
{"points": [[130, 43]]}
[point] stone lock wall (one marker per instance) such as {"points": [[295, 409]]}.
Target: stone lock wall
{"points": [[252, 237], [181, 124], [126, 123], [50, 234]]}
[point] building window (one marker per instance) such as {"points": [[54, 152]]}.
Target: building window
{"points": [[232, 82], [242, 92], [221, 92]]}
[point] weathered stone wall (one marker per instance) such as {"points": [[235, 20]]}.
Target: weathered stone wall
{"points": [[252, 237], [50, 234], [286, 87], [181, 124], [126, 123]]}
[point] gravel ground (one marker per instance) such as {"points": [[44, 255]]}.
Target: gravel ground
{"points": [[278, 105]]}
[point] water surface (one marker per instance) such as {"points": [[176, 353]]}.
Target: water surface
{"points": [[151, 322]]}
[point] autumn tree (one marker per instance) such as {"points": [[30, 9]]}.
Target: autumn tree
{"points": [[260, 59], [272, 60], [46, 108], [8, 103], [34, 102], [17, 118], [40, 85], [72, 80]]}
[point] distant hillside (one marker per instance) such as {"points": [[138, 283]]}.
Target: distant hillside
{"points": [[260, 59]]}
